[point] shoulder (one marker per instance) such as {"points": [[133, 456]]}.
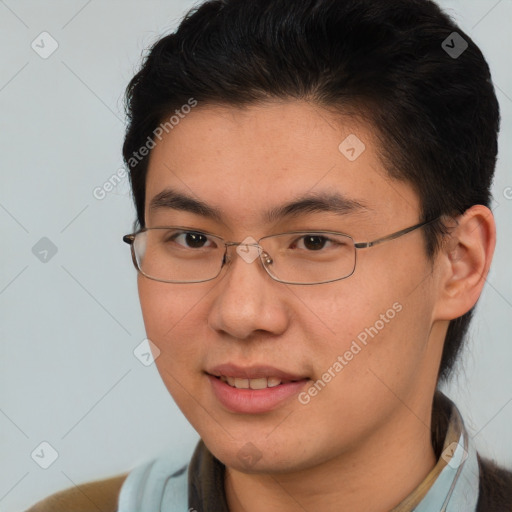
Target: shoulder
{"points": [[92, 496], [495, 487]]}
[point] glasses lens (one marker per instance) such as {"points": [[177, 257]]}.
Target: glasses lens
{"points": [[176, 255], [310, 257]]}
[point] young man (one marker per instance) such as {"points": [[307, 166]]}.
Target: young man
{"points": [[312, 182]]}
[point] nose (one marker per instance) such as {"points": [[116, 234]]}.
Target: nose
{"points": [[247, 299]]}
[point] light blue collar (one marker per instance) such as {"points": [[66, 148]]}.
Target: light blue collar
{"points": [[456, 488]]}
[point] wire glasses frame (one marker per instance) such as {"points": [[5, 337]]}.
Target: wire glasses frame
{"points": [[265, 258]]}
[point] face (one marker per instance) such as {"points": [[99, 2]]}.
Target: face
{"points": [[349, 354]]}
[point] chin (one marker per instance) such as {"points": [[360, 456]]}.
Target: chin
{"points": [[260, 454]]}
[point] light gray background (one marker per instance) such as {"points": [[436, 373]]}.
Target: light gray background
{"points": [[69, 326]]}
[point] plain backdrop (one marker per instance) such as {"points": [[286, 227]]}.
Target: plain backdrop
{"points": [[70, 317]]}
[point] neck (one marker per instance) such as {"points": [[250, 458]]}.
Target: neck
{"points": [[375, 476]]}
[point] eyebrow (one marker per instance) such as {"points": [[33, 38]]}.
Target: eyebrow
{"points": [[333, 202]]}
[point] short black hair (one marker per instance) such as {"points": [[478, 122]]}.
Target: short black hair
{"points": [[435, 113]]}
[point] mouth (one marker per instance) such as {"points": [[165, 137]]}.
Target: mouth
{"points": [[254, 389]]}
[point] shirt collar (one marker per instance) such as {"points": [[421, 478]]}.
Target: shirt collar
{"points": [[453, 483]]}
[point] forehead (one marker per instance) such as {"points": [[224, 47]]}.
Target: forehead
{"points": [[247, 161]]}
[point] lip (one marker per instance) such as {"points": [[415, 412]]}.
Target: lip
{"points": [[252, 372], [253, 401]]}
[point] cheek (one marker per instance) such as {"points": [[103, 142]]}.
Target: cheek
{"points": [[374, 357], [158, 309], [163, 305], [376, 326], [170, 319], [170, 314]]}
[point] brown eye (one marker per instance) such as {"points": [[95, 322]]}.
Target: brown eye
{"points": [[314, 242], [190, 239]]}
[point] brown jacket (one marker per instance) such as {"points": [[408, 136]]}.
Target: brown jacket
{"points": [[99, 496]]}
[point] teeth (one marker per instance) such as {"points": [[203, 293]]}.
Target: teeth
{"points": [[260, 383], [273, 381], [242, 383]]}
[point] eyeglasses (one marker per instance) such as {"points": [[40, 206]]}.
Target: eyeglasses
{"points": [[180, 255]]}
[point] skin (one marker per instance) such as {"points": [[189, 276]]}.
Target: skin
{"points": [[364, 441]]}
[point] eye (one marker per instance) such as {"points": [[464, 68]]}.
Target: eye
{"points": [[313, 242], [190, 239]]}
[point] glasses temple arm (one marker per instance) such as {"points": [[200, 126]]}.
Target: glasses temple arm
{"points": [[364, 245]]}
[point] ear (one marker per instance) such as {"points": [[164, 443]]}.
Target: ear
{"points": [[464, 261]]}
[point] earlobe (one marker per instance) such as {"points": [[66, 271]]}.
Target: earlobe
{"points": [[465, 259]]}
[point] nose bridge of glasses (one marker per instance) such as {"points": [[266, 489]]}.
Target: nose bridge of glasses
{"points": [[243, 250]]}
